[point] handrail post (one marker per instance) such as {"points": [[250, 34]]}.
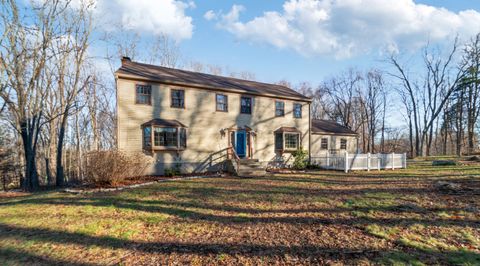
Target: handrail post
{"points": [[346, 162]]}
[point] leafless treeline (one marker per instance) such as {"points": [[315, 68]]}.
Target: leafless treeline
{"points": [[425, 107], [439, 97], [358, 100], [50, 90]]}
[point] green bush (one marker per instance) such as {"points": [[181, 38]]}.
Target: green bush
{"points": [[300, 159], [444, 163], [174, 171]]}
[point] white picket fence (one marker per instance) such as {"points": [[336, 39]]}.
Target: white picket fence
{"points": [[358, 161]]}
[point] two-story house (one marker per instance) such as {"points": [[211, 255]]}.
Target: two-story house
{"points": [[191, 120]]}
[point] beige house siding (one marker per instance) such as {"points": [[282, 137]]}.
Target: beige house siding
{"points": [[333, 144], [205, 140]]}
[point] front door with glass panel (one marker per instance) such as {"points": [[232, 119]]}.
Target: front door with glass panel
{"points": [[241, 143]]}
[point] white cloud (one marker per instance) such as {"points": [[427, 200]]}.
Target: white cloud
{"points": [[346, 28], [210, 15], [153, 16]]}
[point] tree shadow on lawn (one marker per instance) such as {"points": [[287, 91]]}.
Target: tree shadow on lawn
{"points": [[173, 207], [9, 256], [179, 209], [261, 192], [306, 252], [196, 208]]}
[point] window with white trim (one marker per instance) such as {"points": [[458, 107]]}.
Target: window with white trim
{"points": [[324, 144], [291, 141], [343, 144], [285, 141]]}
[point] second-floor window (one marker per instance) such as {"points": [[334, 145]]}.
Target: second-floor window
{"points": [[143, 94], [297, 110], [343, 144], [222, 102], [279, 108], [324, 144], [178, 98], [246, 105]]}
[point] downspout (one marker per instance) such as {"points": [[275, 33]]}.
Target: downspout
{"points": [[116, 114], [309, 134]]}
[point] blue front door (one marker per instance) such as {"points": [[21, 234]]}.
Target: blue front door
{"points": [[241, 145]]}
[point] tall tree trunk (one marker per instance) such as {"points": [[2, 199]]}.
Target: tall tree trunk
{"points": [[31, 181], [78, 148], [61, 136], [410, 131]]}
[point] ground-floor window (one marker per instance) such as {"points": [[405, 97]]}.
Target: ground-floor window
{"points": [[147, 137], [343, 144], [324, 144], [164, 137], [287, 141], [291, 141], [278, 141]]}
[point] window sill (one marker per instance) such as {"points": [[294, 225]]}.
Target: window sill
{"points": [[165, 149], [286, 150]]}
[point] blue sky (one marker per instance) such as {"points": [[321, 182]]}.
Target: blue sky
{"points": [[297, 40]]}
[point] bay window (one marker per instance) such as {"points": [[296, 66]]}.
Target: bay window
{"points": [[287, 139], [161, 134], [291, 141]]}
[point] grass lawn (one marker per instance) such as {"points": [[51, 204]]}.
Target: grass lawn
{"points": [[389, 217]]}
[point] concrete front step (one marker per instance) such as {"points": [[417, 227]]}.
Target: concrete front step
{"points": [[251, 166], [246, 161]]}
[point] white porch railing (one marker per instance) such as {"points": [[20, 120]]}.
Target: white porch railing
{"points": [[358, 161]]}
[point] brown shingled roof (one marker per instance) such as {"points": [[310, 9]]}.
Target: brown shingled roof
{"points": [[163, 123], [330, 127], [135, 70]]}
